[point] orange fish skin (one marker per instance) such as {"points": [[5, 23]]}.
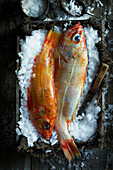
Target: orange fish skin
{"points": [[70, 72], [41, 100]]}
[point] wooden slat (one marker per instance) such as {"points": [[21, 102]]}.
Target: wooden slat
{"points": [[110, 83], [17, 88], [14, 161], [27, 163], [37, 165], [2, 160]]}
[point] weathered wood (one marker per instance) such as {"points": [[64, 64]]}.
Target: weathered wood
{"points": [[2, 160], [14, 161], [95, 162], [17, 87], [110, 92], [37, 165], [110, 83], [103, 69], [27, 163]]}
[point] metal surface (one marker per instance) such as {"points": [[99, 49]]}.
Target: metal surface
{"points": [[76, 11], [41, 13]]}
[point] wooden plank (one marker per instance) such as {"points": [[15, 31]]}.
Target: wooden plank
{"points": [[2, 159], [27, 163], [37, 165], [17, 88], [14, 161], [110, 83], [110, 92]]}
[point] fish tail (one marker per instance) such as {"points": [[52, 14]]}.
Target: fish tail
{"points": [[52, 37], [69, 148]]}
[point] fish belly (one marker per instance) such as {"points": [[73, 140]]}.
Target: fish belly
{"points": [[69, 81]]}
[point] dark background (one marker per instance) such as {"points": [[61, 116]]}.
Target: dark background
{"points": [[10, 159]]}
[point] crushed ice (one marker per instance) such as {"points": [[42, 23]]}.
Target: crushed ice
{"points": [[83, 126]]}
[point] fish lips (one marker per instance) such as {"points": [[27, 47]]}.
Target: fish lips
{"points": [[46, 134], [47, 137]]}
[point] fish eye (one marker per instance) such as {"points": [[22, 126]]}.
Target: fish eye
{"points": [[46, 126], [76, 37], [42, 112]]}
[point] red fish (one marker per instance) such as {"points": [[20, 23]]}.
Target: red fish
{"points": [[70, 73], [41, 100]]}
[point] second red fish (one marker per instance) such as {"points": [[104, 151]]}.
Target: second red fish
{"points": [[41, 92]]}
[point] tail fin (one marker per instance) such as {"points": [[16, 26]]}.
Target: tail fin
{"points": [[69, 148], [52, 38]]}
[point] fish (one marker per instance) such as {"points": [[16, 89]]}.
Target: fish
{"points": [[41, 100], [71, 61]]}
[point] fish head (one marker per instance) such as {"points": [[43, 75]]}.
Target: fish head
{"points": [[72, 42], [42, 122]]}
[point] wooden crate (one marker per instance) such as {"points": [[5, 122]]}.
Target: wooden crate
{"points": [[39, 148]]}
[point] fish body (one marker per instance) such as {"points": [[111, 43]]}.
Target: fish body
{"points": [[41, 100], [70, 72]]}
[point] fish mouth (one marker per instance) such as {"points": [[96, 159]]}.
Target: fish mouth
{"points": [[44, 135], [47, 137]]}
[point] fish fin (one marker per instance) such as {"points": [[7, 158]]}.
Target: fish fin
{"points": [[69, 148], [52, 38], [74, 116], [36, 56], [29, 99]]}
